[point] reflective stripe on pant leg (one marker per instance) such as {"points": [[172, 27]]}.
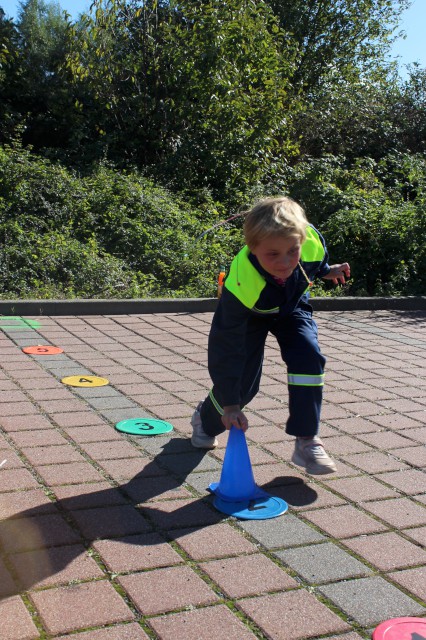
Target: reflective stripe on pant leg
{"points": [[215, 403], [305, 380]]}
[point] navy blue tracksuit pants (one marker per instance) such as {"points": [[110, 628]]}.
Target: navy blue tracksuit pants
{"points": [[297, 337]]}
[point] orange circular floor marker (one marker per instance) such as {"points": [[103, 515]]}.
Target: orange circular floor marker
{"points": [[85, 381], [42, 350]]}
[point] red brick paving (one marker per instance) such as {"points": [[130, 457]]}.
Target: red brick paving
{"points": [[107, 544]]}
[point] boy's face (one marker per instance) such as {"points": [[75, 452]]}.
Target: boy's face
{"points": [[279, 256]]}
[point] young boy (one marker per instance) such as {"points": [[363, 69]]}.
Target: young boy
{"points": [[267, 291]]}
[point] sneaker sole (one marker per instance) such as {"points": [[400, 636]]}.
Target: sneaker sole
{"points": [[203, 445], [318, 470]]}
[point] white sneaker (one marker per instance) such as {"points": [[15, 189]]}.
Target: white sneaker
{"points": [[310, 453], [200, 439]]}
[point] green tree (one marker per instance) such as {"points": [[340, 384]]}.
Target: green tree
{"points": [[343, 36], [194, 91], [38, 94]]}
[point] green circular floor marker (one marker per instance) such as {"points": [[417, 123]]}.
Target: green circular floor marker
{"points": [[144, 426]]}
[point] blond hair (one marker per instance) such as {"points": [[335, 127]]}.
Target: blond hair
{"points": [[279, 216]]}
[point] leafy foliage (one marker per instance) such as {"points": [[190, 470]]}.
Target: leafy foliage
{"points": [[109, 234], [130, 133]]}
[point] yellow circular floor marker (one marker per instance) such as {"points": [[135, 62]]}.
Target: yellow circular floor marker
{"points": [[85, 381]]}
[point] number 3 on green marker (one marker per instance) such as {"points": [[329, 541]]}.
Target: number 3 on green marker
{"points": [[145, 426]]}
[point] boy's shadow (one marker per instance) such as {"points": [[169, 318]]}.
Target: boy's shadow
{"points": [[152, 507]]}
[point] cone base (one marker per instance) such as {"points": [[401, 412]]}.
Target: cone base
{"points": [[262, 508]]}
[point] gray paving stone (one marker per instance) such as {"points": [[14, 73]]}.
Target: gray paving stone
{"points": [[67, 370], [371, 600], [201, 481], [165, 445], [184, 463], [115, 402], [97, 392], [117, 415], [323, 563], [285, 531]]}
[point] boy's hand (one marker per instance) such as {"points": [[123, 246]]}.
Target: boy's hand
{"points": [[232, 415], [338, 272]]}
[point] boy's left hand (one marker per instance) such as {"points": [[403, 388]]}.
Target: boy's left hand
{"points": [[338, 272]]}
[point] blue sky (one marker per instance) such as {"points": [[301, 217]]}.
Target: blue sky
{"points": [[412, 49]]}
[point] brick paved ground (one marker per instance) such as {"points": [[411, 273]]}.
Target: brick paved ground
{"points": [[110, 537]]}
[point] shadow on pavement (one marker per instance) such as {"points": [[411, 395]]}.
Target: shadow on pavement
{"points": [[40, 542]]}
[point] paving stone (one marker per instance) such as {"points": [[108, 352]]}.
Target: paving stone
{"points": [[369, 601], [111, 449], [418, 534], [201, 624], [37, 438], [142, 490], [23, 503], [8, 586], [376, 462], [16, 621], [16, 409], [295, 615], [214, 541], [12, 479], [413, 455], [305, 496], [362, 488], [25, 422], [10, 460], [355, 425], [179, 514], [418, 434], [100, 432], [248, 575], [59, 406], [285, 531], [36, 532], [345, 445], [323, 563], [117, 415], [387, 551], [385, 440], [110, 521], [399, 512], [69, 473], [88, 496], [76, 419], [184, 463], [131, 631], [54, 566], [80, 606], [410, 481], [155, 591], [413, 580], [57, 454], [126, 469], [343, 521], [134, 553]]}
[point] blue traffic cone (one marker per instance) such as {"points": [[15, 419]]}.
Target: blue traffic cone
{"points": [[236, 480]]}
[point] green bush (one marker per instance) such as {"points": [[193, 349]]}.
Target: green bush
{"points": [[108, 234], [116, 234]]}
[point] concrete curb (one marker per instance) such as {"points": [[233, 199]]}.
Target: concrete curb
{"points": [[188, 305]]}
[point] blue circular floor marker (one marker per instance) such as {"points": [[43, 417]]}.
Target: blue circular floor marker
{"points": [[257, 509], [144, 426]]}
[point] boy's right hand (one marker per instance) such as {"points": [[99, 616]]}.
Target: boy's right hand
{"points": [[232, 415]]}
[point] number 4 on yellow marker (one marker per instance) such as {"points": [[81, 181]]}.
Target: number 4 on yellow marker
{"points": [[85, 381]]}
